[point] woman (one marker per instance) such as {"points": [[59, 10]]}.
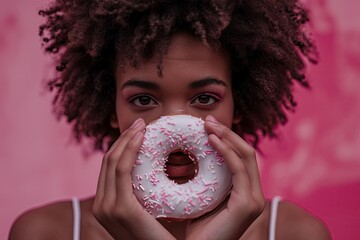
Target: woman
{"points": [[124, 64]]}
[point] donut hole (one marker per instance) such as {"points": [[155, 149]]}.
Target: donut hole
{"points": [[181, 166]]}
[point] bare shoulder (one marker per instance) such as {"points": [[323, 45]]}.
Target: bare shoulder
{"points": [[297, 224], [53, 221]]}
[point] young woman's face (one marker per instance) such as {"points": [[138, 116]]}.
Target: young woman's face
{"points": [[196, 81]]}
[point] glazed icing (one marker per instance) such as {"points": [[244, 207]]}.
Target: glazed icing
{"points": [[164, 198]]}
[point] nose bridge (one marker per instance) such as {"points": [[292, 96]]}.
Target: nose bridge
{"points": [[174, 107]]}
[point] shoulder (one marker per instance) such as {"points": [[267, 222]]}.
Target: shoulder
{"points": [[44, 222], [297, 224]]}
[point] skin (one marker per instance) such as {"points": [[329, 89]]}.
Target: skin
{"points": [[142, 97]]}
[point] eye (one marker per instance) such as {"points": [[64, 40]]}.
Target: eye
{"points": [[143, 100], [205, 99]]}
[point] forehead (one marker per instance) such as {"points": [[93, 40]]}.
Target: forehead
{"points": [[187, 56]]}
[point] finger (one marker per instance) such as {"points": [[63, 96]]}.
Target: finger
{"points": [[242, 148], [101, 183], [116, 150], [102, 176], [240, 175], [114, 155], [244, 191], [125, 165], [246, 152], [238, 144]]}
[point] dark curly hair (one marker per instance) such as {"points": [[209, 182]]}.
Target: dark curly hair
{"points": [[266, 39]]}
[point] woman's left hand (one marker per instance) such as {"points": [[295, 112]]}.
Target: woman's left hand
{"points": [[246, 200]]}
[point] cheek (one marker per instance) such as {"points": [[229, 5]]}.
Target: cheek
{"points": [[124, 117], [125, 122], [225, 117], [225, 112]]}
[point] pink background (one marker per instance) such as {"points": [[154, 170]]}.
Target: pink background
{"points": [[315, 163]]}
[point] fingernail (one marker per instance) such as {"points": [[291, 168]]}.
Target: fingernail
{"points": [[211, 119], [137, 123]]}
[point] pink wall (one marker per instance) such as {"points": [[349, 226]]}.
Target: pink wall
{"points": [[316, 162]]}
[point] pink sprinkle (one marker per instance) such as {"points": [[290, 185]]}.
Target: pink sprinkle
{"points": [[139, 162], [219, 158], [187, 210], [178, 193], [192, 148], [204, 200], [211, 165], [203, 191], [152, 205], [153, 179], [191, 202], [153, 196], [208, 152], [212, 184]]}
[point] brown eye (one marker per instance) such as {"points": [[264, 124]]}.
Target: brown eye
{"points": [[143, 101], [204, 99]]}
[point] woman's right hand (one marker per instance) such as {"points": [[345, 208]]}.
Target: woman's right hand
{"points": [[116, 207]]}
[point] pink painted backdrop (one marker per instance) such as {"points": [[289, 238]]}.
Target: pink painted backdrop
{"points": [[315, 163]]}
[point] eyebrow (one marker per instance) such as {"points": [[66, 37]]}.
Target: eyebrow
{"points": [[206, 82], [133, 82]]}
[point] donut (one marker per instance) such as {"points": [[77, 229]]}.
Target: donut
{"points": [[163, 197]]}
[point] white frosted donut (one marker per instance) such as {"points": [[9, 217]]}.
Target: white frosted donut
{"points": [[162, 197]]}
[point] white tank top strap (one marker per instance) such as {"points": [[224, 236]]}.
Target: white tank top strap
{"points": [[273, 217], [77, 218]]}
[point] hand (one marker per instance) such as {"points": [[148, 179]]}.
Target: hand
{"points": [[115, 206], [246, 200]]}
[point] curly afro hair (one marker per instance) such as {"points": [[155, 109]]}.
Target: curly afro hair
{"points": [[266, 39]]}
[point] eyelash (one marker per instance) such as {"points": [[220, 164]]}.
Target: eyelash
{"points": [[211, 96], [137, 97]]}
